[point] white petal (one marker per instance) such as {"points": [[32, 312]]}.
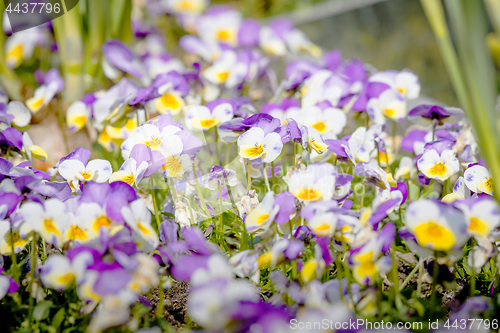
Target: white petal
{"points": [[171, 146], [421, 211], [253, 136], [473, 174], [70, 168], [223, 112], [22, 115], [102, 168], [273, 146]]}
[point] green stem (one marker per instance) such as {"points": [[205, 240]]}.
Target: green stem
{"points": [[172, 188], [32, 280], [446, 185], [293, 154], [362, 202], [419, 280], [274, 176], [346, 270], [249, 176], [68, 33], [95, 37], [159, 307], [62, 126], [217, 160], [408, 278], [8, 78], [472, 279], [339, 275], [198, 189], [266, 178], [15, 269], [435, 271], [155, 206], [395, 279], [221, 222]]}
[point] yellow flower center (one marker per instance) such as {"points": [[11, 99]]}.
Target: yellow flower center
{"points": [[169, 101], [265, 260], [389, 112], [38, 103], [154, 143], [15, 240], [322, 229], [75, 232], [402, 90], [86, 175], [261, 219], [223, 76], [80, 121], [489, 183], [173, 166], [49, 226], [438, 170], [434, 235], [367, 268], [319, 126], [129, 179], [142, 228], [100, 222], [308, 271], [186, 5], [255, 152], [478, 227], [309, 194], [317, 147], [207, 123], [66, 278], [17, 54], [223, 35]]}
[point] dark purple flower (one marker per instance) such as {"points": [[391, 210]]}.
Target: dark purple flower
{"points": [[427, 114], [11, 137]]}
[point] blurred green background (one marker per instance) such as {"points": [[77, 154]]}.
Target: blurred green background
{"points": [[392, 34]]}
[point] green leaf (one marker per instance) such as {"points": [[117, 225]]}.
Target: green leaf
{"points": [[414, 192], [58, 319], [42, 310], [416, 305], [168, 215]]}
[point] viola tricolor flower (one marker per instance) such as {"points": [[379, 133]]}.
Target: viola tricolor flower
{"points": [[201, 118], [319, 182], [96, 170], [263, 215], [256, 143], [438, 161], [478, 179], [52, 84], [483, 215], [436, 226]]}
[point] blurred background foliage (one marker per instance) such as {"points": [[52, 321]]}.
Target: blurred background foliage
{"points": [[391, 34]]}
